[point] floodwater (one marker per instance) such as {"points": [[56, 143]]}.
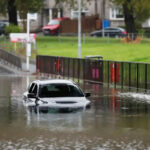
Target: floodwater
{"points": [[117, 120]]}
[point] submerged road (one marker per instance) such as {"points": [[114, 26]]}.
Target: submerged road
{"points": [[117, 119]]}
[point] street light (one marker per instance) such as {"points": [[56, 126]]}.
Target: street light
{"points": [[103, 16]]}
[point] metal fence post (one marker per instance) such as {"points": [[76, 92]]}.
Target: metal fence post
{"points": [[137, 85], [73, 69], [68, 67], [129, 76], [108, 72], [115, 65], [122, 73], [63, 66], [83, 69], [145, 77], [78, 69]]}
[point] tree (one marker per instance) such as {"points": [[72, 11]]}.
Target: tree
{"points": [[25, 6], [11, 7], [135, 13]]}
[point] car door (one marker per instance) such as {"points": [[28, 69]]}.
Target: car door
{"points": [[116, 33], [98, 33], [106, 32]]}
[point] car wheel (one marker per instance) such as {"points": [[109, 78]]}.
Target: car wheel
{"points": [[95, 35]]}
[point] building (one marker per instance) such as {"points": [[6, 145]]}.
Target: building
{"points": [[104, 8]]}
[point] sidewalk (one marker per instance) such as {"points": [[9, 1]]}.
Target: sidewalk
{"points": [[6, 68]]}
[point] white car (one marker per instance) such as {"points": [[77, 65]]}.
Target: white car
{"points": [[59, 94]]}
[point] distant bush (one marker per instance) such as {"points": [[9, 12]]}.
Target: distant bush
{"points": [[12, 29], [141, 31]]}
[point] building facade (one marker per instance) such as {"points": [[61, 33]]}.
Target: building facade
{"points": [[104, 8]]}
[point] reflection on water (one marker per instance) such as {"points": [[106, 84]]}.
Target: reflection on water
{"points": [[56, 121], [116, 120]]}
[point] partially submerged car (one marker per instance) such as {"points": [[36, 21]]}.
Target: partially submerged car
{"points": [[63, 95], [52, 28]]}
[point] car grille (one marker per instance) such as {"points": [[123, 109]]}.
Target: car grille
{"points": [[64, 102]]}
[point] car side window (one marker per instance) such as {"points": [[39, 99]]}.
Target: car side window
{"points": [[35, 89], [31, 87]]}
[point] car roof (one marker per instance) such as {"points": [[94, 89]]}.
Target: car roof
{"points": [[114, 28], [54, 81]]}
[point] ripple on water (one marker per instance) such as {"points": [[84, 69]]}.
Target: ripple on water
{"points": [[67, 144], [136, 96]]}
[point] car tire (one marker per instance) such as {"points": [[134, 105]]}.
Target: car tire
{"points": [[94, 36]]}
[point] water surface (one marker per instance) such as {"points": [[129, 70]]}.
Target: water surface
{"points": [[116, 120]]}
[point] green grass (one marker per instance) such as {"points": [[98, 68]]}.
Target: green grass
{"points": [[110, 49]]}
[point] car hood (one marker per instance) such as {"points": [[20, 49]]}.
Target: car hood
{"points": [[51, 27]]}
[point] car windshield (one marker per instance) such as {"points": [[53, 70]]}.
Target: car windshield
{"points": [[53, 22], [59, 90]]}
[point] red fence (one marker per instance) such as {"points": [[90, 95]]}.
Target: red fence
{"points": [[71, 67], [129, 74]]}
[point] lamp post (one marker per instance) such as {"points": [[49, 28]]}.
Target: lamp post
{"points": [[28, 45], [103, 17], [79, 28]]}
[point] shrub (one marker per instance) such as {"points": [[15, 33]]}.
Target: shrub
{"points": [[12, 29]]}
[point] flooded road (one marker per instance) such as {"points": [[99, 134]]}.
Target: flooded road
{"points": [[117, 120]]}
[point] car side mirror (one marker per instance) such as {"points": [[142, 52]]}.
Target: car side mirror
{"points": [[31, 95], [87, 94]]}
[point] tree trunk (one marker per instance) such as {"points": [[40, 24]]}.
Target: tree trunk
{"points": [[129, 19], [12, 12]]}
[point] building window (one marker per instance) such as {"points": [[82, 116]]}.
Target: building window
{"points": [[116, 14], [74, 13]]}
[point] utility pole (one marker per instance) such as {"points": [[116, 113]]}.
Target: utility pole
{"points": [[79, 28], [103, 16], [28, 45], [30, 16]]}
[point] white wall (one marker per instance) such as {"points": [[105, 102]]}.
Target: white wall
{"points": [[146, 24]]}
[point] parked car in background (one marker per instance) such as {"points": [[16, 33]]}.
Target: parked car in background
{"points": [[3, 24], [52, 28], [110, 32]]}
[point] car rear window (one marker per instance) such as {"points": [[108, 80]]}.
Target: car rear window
{"points": [[59, 90]]}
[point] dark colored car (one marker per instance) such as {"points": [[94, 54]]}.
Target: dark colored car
{"points": [[52, 28], [3, 24], [110, 32]]}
